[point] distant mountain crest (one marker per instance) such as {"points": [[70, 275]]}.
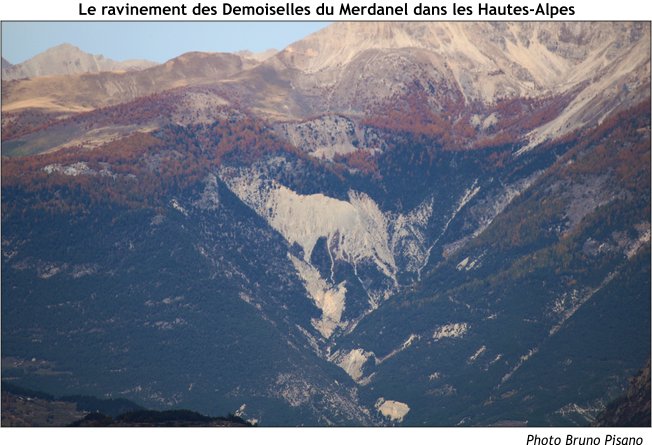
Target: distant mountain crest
{"points": [[258, 56], [67, 59]]}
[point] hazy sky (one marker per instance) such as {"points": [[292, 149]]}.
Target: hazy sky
{"points": [[156, 41]]}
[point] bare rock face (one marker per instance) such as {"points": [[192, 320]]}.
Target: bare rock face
{"points": [[68, 59], [486, 61], [361, 69]]}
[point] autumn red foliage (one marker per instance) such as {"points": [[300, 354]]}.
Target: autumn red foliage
{"points": [[140, 169]]}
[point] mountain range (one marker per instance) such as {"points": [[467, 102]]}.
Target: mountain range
{"points": [[67, 59], [383, 223]]}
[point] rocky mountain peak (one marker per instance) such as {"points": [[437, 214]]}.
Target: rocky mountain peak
{"points": [[529, 55], [65, 59]]}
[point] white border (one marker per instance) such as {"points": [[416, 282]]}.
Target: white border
{"points": [[68, 10]]}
